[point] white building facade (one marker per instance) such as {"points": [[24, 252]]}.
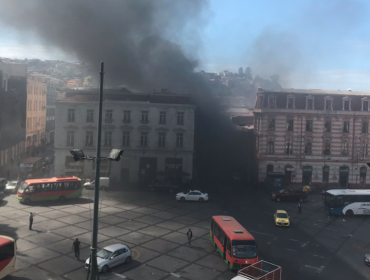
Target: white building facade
{"points": [[156, 133], [313, 137]]}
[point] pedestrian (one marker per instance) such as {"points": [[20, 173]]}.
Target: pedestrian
{"points": [[299, 207], [190, 236], [31, 220], [76, 248]]}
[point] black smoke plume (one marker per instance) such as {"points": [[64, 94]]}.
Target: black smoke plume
{"points": [[140, 43]]}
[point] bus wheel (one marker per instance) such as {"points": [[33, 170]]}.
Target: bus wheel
{"points": [[27, 201], [62, 198], [349, 213]]}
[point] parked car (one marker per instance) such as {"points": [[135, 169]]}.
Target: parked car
{"points": [[289, 195], [163, 187], [103, 184], [3, 182], [367, 259], [11, 187], [111, 256], [281, 218], [192, 196]]}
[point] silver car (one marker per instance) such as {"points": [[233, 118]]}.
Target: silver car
{"points": [[111, 256], [11, 187], [367, 259]]}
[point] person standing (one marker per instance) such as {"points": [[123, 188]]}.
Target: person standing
{"points": [[190, 236], [299, 207], [31, 219], [76, 248]]}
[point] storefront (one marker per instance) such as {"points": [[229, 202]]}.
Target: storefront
{"points": [[288, 174], [343, 176], [173, 170], [307, 175], [147, 170], [363, 171]]}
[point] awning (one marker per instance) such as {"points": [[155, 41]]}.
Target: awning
{"points": [[289, 168]]}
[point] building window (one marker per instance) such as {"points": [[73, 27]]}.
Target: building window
{"points": [[162, 117], [126, 116], [328, 103], [144, 139], [259, 101], [144, 117], [346, 105], [327, 127], [365, 127], [70, 138], [109, 116], [363, 149], [290, 102], [89, 139], [108, 138], [179, 140], [269, 168], [308, 147], [346, 127], [365, 105], [180, 118], [162, 139], [327, 147], [325, 174], [90, 115], [344, 148], [271, 126], [71, 115], [309, 125], [270, 147], [309, 103], [126, 139], [289, 124], [272, 102], [288, 147]]}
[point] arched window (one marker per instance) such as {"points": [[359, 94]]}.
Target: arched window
{"points": [[308, 147], [326, 147]]}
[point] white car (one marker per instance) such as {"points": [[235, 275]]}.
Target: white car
{"points": [[11, 187], [111, 256], [193, 196]]}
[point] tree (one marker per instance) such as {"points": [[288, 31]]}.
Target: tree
{"points": [[248, 73], [241, 72]]}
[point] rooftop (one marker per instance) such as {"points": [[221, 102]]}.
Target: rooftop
{"points": [[317, 91], [123, 95]]}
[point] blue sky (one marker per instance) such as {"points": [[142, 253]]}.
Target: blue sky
{"points": [[310, 44]]}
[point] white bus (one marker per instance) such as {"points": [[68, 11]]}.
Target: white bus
{"points": [[347, 202]]}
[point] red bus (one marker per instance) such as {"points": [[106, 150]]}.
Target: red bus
{"points": [[8, 249], [234, 243], [56, 188]]}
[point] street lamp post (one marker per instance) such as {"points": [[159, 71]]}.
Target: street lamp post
{"points": [[79, 155]]}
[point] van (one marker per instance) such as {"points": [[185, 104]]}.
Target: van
{"points": [[103, 184]]}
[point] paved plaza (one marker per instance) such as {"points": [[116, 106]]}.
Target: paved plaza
{"points": [[154, 225]]}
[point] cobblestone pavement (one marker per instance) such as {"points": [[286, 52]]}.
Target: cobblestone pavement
{"points": [[154, 225]]}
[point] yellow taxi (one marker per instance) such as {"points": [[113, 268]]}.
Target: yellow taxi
{"points": [[281, 218]]}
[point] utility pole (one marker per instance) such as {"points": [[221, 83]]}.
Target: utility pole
{"points": [[94, 245]]}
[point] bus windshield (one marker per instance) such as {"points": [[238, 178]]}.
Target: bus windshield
{"points": [[22, 187], [244, 249]]}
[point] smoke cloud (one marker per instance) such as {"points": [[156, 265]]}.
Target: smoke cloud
{"points": [[138, 40]]}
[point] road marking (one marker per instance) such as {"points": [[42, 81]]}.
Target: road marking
{"points": [[119, 275], [136, 253], [290, 250], [294, 240], [317, 256], [318, 269], [176, 275], [304, 245]]}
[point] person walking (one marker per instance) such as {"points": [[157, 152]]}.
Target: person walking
{"points": [[76, 248], [190, 236], [31, 219], [299, 207]]}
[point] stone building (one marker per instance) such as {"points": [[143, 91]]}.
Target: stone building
{"points": [[51, 96], [156, 131], [313, 137], [36, 113]]}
